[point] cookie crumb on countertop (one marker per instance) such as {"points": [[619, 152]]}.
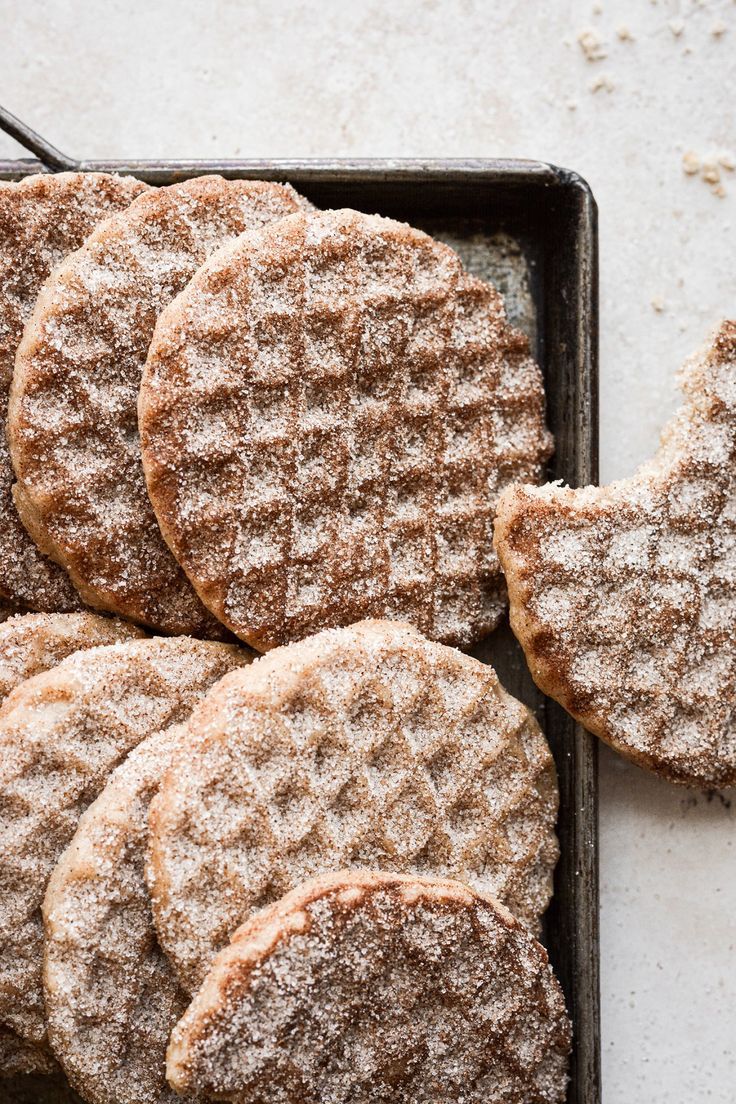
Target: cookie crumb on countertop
{"points": [[592, 45], [603, 83]]}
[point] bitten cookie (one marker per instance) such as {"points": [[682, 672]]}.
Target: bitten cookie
{"points": [[624, 597]]}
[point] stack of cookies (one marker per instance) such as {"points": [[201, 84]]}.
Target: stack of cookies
{"points": [[235, 422]]}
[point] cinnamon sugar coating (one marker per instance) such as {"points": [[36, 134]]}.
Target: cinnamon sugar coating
{"points": [[328, 414], [364, 987], [72, 421], [624, 597], [31, 644], [111, 996], [368, 746], [61, 733], [35, 642], [42, 219]]}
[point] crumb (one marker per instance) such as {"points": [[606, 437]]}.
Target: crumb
{"points": [[718, 28], [592, 45], [677, 26], [690, 163], [597, 9], [603, 83], [658, 304], [624, 34], [571, 105], [719, 191], [710, 172], [726, 161]]}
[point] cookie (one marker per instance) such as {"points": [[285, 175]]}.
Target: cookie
{"points": [[42, 219], [328, 414], [72, 420], [61, 733], [361, 987], [368, 746], [36, 642], [624, 597], [29, 645], [111, 997]]}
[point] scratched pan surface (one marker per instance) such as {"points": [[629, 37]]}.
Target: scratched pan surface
{"points": [[531, 229]]}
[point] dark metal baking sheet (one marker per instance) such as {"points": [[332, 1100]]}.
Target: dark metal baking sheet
{"points": [[530, 227]]}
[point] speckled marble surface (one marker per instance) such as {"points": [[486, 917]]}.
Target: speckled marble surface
{"points": [[464, 78]]}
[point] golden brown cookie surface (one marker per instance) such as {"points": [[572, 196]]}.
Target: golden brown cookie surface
{"points": [[72, 420], [367, 746], [366, 987], [624, 597], [328, 414], [42, 219]]}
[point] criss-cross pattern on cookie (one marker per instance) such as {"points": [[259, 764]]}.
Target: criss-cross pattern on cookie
{"points": [[61, 733], [367, 746], [328, 415], [42, 219], [73, 426], [624, 597]]}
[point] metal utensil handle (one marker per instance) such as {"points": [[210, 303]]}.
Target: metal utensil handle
{"points": [[51, 157]]}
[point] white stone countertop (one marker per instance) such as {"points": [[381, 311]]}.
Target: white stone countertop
{"points": [[465, 78]]}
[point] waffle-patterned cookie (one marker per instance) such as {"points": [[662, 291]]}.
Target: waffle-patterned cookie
{"points": [[42, 218], [366, 746], [61, 733], [72, 419], [363, 987], [111, 996], [36, 642], [29, 645], [624, 597], [328, 414]]}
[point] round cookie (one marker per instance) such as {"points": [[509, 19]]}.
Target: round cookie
{"points": [[363, 987], [624, 597], [360, 402], [368, 746], [42, 219], [72, 421], [111, 996], [61, 733]]}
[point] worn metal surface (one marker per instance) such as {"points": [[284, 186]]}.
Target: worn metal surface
{"points": [[531, 227]]}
